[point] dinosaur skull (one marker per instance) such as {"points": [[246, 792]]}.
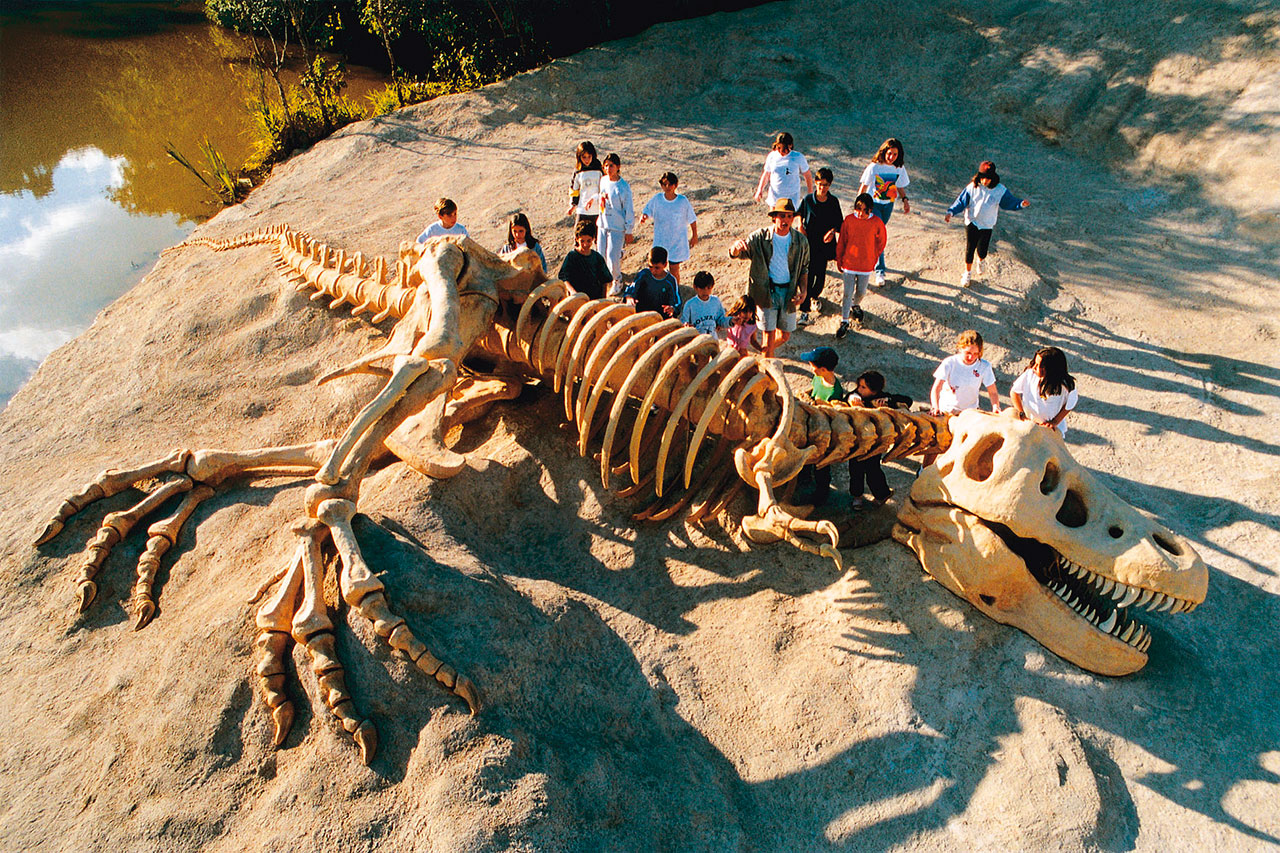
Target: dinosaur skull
{"points": [[1008, 521]]}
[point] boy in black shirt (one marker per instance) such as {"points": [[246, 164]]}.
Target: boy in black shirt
{"points": [[820, 218]]}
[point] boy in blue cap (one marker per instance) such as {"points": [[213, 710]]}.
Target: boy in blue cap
{"points": [[826, 387]]}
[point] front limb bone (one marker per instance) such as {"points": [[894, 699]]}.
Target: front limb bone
{"points": [[434, 376]]}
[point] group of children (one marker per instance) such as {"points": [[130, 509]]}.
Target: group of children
{"points": [[1044, 393], [601, 199]]}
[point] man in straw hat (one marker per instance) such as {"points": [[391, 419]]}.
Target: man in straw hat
{"points": [[779, 274]]}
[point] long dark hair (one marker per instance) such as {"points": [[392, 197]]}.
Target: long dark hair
{"points": [[1054, 378], [523, 221], [891, 142], [593, 166]]}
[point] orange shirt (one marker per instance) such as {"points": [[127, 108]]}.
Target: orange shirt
{"points": [[860, 243]]}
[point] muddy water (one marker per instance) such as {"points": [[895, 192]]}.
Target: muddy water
{"points": [[89, 95]]}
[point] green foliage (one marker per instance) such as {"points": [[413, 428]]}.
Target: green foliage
{"points": [[228, 187], [281, 130]]}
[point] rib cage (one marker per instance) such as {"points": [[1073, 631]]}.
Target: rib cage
{"points": [[648, 392]]}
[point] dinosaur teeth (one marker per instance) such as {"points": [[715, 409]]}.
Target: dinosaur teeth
{"points": [[1120, 591], [1106, 626], [1128, 632], [1145, 597], [1108, 586], [1130, 596]]}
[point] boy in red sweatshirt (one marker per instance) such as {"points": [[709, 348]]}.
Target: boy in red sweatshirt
{"points": [[862, 238]]}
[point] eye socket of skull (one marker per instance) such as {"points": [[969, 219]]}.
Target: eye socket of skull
{"points": [[979, 462], [1050, 480]]}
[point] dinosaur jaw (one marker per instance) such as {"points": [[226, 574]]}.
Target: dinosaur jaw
{"points": [[1072, 610]]}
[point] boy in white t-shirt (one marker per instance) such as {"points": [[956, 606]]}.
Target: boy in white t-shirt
{"points": [[675, 227], [959, 378], [446, 223]]}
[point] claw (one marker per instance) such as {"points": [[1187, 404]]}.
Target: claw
{"points": [[144, 612], [282, 721], [88, 592], [366, 738]]}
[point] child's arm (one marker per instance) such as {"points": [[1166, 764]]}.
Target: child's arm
{"points": [[764, 182], [627, 202], [693, 234], [935, 396], [1009, 201], [1016, 399], [961, 202], [994, 394], [808, 179], [575, 192]]}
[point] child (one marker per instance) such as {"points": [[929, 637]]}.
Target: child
{"points": [[584, 268], [617, 217], [886, 176], [862, 239], [704, 312], [820, 218], [446, 223], [826, 387], [1045, 392], [742, 327], [959, 377], [584, 186], [982, 200], [520, 236], [869, 393], [654, 289], [672, 214], [783, 168], [957, 381]]}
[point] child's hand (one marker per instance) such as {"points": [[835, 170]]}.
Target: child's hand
{"points": [[693, 241], [947, 218], [759, 195], [571, 209], [628, 239], [906, 205], [830, 236], [644, 217], [1026, 203]]}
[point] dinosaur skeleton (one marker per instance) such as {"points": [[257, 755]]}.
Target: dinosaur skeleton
{"points": [[686, 421]]}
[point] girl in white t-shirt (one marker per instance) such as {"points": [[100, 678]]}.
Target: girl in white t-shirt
{"points": [[783, 168], [960, 377], [1045, 393], [885, 178], [584, 186]]}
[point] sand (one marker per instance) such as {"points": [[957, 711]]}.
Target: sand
{"points": [[668, 687]]}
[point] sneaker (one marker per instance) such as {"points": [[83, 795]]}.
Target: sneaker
{"points": [[879, 279], [803, 319], [965, 279], [857, 502], [857, 313], [883, 500], [843, 330]]}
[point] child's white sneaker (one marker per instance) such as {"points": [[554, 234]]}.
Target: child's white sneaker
{"points": [[965, 279], [879, 279], [803, 319]]}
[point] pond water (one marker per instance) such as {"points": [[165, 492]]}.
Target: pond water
{"points": [[89, 95]]}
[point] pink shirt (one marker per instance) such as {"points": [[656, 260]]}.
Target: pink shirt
{"points": [[739, 336]]}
